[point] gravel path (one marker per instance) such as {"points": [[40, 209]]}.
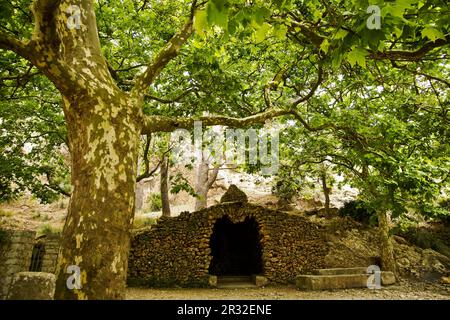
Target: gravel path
{"points": [[406, 290]]}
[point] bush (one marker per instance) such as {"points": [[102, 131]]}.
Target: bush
{"points": [[286, 186], [47, 229], [3, 236], [445, 205], [141, 222], [4, 213], [154, 202], [358, 210]]}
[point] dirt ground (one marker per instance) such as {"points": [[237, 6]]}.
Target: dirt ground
{"points": [[405, 290]]}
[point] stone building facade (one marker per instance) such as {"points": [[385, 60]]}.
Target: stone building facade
{"points": [[232, 238], [20, 251]]}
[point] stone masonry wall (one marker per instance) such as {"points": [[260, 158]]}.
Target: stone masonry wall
{"points": [[177, 250], [51, 253], [15, 255]]}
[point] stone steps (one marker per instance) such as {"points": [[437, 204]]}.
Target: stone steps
{"points": [[340, 278], [228, 279], [338, 271], [231, 282], [328, 282], [236, 285]]}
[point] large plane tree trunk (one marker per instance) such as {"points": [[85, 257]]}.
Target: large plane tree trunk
{"points": [[103, 138], [104, 124]]}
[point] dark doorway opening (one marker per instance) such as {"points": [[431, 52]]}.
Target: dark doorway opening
{"points": [[37, 257], [235, 248]]}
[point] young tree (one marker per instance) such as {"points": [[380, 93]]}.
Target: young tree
{"points": [[164, 186], [205, 178]]}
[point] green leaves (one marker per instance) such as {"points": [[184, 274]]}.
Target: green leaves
{"points": [[200, 22], [357, 56], [261, 14], [432, 33], [261, 32], [280, 31], [217, 13], [324, 46]]}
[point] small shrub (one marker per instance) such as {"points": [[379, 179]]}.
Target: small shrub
{"points": [[45, 217], [36, 216], [358, 210], [445, 205], [3, 236], [286, 188], [4, 213], [154, 202], [141, 222], [47, 229]]}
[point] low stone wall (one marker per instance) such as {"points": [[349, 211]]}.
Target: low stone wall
{"points": [[15, 255], [16, 249], [177, 250]]}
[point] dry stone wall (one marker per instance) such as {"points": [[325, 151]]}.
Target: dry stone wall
{"points": [[16, 248], [177, 250], [51, 253], [15, 255]]}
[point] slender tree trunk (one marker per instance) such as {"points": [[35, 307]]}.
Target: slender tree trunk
{"points": [[103, 137], [326, 192], [204, 180], [164, 184], [386, 246], [139, 198]]}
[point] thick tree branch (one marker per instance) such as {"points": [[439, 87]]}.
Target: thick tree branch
{"points": [[169, 124], [8, 42], [312, 36], [45, 29], [415, 72], [170, 51], [44, 48], [176, 99], [312, 90], [410, 55]]}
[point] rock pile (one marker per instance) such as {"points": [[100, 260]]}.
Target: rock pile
{"points": [[234, 194]]}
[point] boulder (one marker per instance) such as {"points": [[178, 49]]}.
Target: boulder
{"points": [[32, 286], [212, 281], [260, 281], [387, 278]]}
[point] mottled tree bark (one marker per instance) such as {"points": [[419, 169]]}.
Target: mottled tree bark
{"points": [[104, 125], [386, 246], [103, 137], [205, 177]]}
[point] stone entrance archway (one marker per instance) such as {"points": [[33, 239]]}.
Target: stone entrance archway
{"points": [[235, 248]]}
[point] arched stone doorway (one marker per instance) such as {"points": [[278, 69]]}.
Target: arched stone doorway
{"points": [[37, 256], [235, 248]]}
